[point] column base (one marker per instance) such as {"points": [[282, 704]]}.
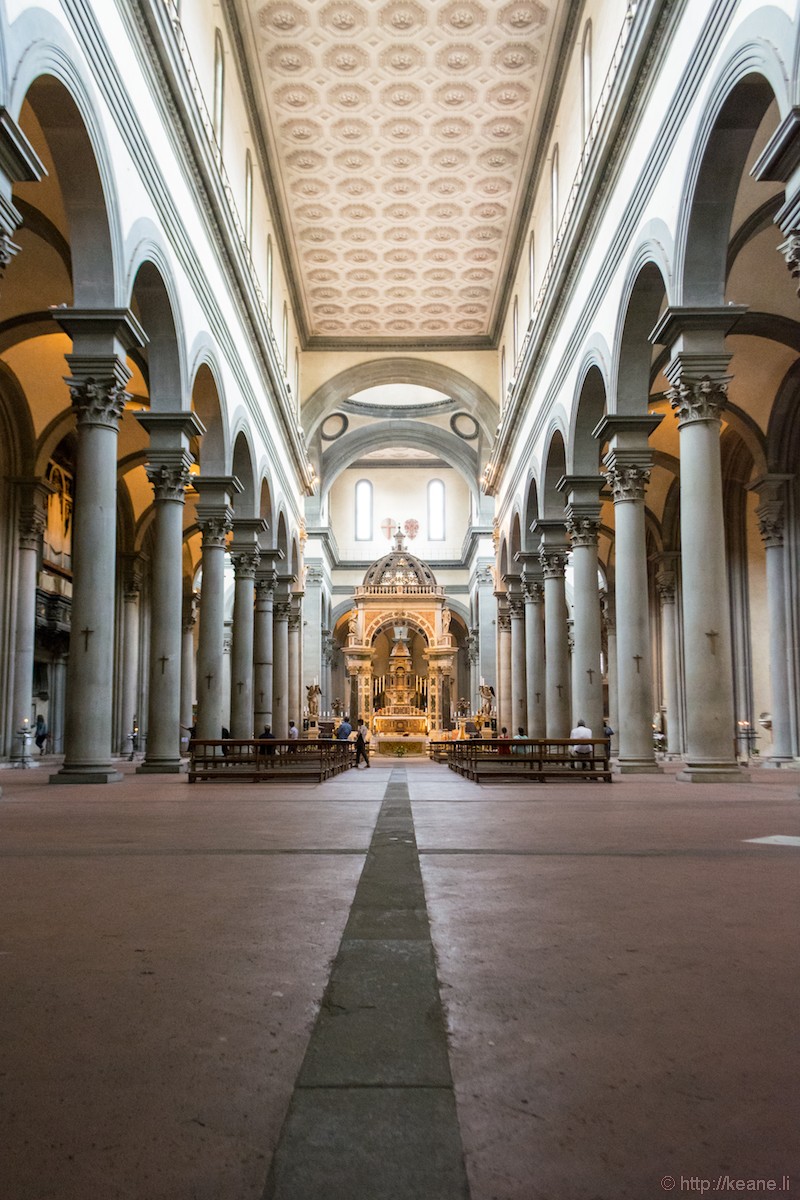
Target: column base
{"points": [[637, 766], [167, 766], [724, 772], [782, 761], [86, 775]]}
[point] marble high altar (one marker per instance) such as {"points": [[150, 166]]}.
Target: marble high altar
{"points": [[400, 654]]}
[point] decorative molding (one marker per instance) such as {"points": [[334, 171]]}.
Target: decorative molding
{"points": [[695, 400], [771, 519], [627, 482], [169, 480], [215, 530], [583, 530], [99, 403], [245, 563], [553, 563]]}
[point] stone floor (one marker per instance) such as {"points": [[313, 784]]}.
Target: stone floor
{"points": [[618, 969]]}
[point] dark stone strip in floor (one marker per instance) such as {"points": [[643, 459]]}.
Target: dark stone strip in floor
{"points": [[88, 852], [373, 1114]]}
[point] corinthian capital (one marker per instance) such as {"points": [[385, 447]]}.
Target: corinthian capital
{"points": [[770, 522], [215, 532], [31, 527], [790, 249], [627, 482], [245, 563], [169, 480], [97, 402], [583, 530], [7, 251], [698, 399], [554, 563], [665, 583]]}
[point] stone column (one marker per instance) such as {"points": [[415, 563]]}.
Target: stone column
{"points": [[245, 556], [665, 583], [131, 593], [583, 526], [266, 580], [168, 472], [628, 480], [97, 387], [244, 566], [188, 682], [627, 471], [487, 627], [472, 648], [280, 669], [32, 516], [295, 706], [698, 396], [503, 662], [610, 619], [312, 632], [534, 655], [215, 518], [770, 513], [519, 699], [553, 559]]}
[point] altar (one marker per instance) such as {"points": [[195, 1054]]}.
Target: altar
{"points": [[401, 733]]}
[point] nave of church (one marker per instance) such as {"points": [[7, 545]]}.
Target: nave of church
{"points": [[432, 365]]}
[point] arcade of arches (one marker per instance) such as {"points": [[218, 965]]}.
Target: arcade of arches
{"points": [[594, 474]]}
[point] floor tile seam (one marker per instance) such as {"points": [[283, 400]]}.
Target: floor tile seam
{"points": [[234, 853], [745, 853], [374, 1087]]}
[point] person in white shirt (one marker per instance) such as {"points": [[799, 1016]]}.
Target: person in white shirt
{"points": [[580, 737]]}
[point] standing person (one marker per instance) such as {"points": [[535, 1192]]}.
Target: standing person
{"points": [[344, 730], [362, 737], [294, 732], [40, 734]]}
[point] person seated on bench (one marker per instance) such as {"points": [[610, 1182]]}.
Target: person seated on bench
{"points": [[266, 735], [580, 749]]}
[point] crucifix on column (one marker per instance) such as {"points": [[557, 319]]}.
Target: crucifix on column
{"points": [[86, 634], [712, 636]]}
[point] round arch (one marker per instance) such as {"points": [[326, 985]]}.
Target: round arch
{"points": [[419, 372], [414, 434]]}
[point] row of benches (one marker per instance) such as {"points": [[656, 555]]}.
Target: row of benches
{"points": [[235, 760], [540, 760], [316, 759]]}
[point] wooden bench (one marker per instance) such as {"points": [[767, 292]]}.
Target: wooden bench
{"points": [[530, 760], [236, 760]]}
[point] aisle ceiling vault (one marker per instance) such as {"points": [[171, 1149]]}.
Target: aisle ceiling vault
{"points": [[402, 137]]}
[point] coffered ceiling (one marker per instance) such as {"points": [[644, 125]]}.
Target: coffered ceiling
{"points": [[401, 136]]}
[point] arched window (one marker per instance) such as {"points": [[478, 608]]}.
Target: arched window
{"points": [[363, 511], [285, 337], [554, 196], [248, 199], [531, 273], [219, 88], [586, 83], [269, 275], [436, 511], [515, 328]]}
